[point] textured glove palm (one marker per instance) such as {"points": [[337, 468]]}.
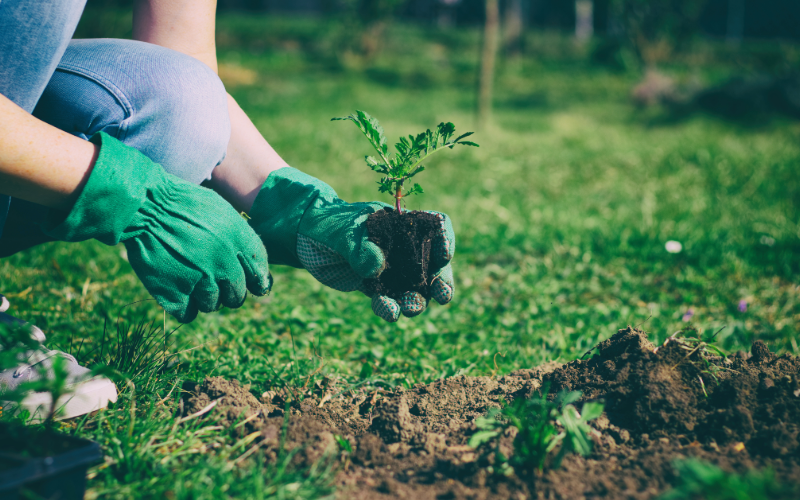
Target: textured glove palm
{"points": [[188, 246], [303, 223]]}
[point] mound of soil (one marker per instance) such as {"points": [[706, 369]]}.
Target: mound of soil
{"points": [[663, 403], [405, 239]]}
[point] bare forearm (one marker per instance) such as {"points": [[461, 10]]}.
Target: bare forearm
{"points": [[38, 162], [186, 26], [249, 161]]}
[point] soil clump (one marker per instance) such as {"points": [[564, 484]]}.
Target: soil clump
{"points": [[406, 240], [663, 403]]}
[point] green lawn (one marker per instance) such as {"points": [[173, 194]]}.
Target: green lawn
{"points": [[561, 218]]}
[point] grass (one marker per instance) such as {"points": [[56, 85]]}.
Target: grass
{"points": [[561, 219], [701, 480]]}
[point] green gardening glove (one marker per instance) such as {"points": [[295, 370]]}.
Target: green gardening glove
{"points": [[189, 247], [303, 223]]}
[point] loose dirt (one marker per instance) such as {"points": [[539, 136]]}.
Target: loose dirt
{"points": [[406, 243], [412, 443]]}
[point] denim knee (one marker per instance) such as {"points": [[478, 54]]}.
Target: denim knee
{"points": [[170, 106]]}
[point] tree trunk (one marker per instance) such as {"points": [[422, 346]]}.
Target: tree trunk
{"points": [[488, 56], [513, 26], [584, 20]]}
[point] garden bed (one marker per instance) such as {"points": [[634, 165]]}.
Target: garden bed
{"points": [[663, 404]]}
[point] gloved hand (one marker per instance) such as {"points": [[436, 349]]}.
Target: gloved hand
{"points": [[190, 248], [303, 223]]}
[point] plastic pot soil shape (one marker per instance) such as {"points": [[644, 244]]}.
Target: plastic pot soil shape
{"points": [[44, 464], [405, 239]]}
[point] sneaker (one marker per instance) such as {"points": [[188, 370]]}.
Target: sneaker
{"points": [[85, 393]]}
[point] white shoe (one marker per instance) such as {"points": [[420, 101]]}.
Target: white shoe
{"points": [[85, 393]]}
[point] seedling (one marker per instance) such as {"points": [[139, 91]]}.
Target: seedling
{"points": [[538, 421], [411, 152], [708, 355], [699, 479]]}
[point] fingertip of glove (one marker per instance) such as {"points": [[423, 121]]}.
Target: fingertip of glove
{"points": [[257, 275], [441, 291], [262, 286], [412, 304], [186, 315], [232, 295], [385, 308], [442, 253]]}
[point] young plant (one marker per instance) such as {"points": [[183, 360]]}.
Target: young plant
{"points": [[542, 426], [698, 479], [411, 152], [703, 354]]}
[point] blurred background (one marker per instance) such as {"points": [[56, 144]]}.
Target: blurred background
{"points": [[735, 58]]}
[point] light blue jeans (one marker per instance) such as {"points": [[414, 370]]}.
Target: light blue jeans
{"points": [[168, 105]]}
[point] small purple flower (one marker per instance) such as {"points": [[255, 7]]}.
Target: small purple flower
{"points": [[742, 305], [688, 315]]}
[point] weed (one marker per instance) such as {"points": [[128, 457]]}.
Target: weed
{"points": [[542, 427], [701, 480], [702, 353]]}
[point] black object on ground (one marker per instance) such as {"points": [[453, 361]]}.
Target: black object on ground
{"points": [[47, 464]]}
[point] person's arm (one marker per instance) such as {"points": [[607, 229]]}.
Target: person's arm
{"points": [[279, 204], [39, 162], [247, 165], [187, 26]]}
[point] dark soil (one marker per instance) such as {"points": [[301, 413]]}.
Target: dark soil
{"points": [[405, 239], [413, 443]]}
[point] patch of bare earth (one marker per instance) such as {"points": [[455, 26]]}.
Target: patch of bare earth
{"points": [[412, 443]]}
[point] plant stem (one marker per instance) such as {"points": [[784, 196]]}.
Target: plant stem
{"points": [[397, 195]]}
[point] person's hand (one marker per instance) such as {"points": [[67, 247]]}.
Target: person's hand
{"points": [[303, 223], [189, 247]]}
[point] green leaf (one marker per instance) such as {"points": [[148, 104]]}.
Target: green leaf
{"points": [[371, 129], [386, 186], [591, 411], [577, 431], [487, 423], [446, 130], [468, 143], [415, 172], [462, 136], [344, 444], [374, 131], [569, 397], [366, 370], [482, 437], [417, 189], [374, 165]]}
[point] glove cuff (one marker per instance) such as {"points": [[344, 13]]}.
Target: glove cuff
{"points": [[116, 189], [278, 209]]}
